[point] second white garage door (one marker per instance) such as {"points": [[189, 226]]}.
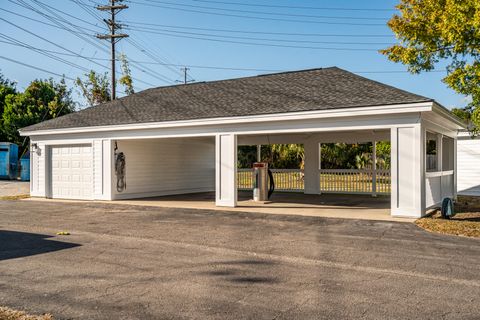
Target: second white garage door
{"points": [[72, 172]]}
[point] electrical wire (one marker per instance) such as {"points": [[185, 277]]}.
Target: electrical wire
{"points": [[36, 68], [254, 17], [268, 13], [194, 66], [291, 7], [137, 23], [262, 44], [152, 30]]}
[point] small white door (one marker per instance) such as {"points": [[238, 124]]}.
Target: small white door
{"points": [[72, 171]]}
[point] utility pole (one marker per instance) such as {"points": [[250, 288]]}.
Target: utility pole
{"points": [[185, 76], [113, 37]]}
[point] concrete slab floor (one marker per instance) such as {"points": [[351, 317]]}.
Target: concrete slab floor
{"points": [[364, 207]]}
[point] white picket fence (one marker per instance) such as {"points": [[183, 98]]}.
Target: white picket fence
{"points": [[331, 180], [285, 179], [355, 181]]}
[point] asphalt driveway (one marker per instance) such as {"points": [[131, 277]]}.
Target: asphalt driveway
{"points": [[130, 262]]}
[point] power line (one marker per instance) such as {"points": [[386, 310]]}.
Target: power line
{"points": [[36, 20], [51, 56], [185, 76], [24, 45], [194, 66], [151, 73], [72, 31], [114, 9], [58, 20], [92, 13], [152, 30], [263, 44], [254, 17], [261, 32], [267, 13], [191, 66], [36, 68], [292, 7], [51, 42]]}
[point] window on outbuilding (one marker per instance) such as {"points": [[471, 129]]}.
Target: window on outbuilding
{"points": [[431, 152], [448, 153]]}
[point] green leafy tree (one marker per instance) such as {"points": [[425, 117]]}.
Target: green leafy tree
{"points": [[439, 32], [126, 78], [7, 87], [41, 100], [94, 88]]}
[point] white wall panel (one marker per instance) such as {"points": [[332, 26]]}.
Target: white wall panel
{"points": [[157, 167], [468, 166], [226, 170], [97, 168], [408, 183]]}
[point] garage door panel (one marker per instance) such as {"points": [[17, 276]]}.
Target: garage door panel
{"points": [[72, 172]]}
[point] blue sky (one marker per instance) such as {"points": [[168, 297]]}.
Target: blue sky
{"points": [[262, 35]]}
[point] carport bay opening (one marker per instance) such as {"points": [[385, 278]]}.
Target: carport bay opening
{"points": [[200, 155]]}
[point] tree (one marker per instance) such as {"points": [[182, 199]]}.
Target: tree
{"points": [[7, 87], [41, 100], [126, 79], [433, 32], [95, 88]]}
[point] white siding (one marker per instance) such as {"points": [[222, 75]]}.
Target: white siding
{"points": [[97, 168], [167, 166], [468, 166], [37, 179]]}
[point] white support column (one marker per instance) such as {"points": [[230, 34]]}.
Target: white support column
{"points": [[259, 153], [226, 170], [439, 152], [455, 168], [312, 167], [108, 167], [374, 168], [408, 171]]}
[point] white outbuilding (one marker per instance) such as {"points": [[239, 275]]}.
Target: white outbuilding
{"points": [[183, 139], [468, 155]]}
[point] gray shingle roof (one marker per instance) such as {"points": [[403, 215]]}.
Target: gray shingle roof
{"points": [[307, 90]]}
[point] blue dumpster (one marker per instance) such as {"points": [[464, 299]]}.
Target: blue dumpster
{"points": [[8, 160], [25, 167]]}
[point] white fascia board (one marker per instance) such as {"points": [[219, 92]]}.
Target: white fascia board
{"points": [[442, 111], [335, 113]]}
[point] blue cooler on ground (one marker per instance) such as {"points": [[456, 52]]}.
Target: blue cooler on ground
{"points": [[8, 160]]}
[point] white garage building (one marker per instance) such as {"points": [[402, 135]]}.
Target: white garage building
{"points": [[183, 139]]}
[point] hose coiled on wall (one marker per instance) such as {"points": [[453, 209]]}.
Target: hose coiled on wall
{"points": [[120, 169]]}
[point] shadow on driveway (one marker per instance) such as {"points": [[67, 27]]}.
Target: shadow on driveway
{"points": [[15, 244]]}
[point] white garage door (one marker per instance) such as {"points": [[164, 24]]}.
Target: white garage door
{"points": [[72, 172]]}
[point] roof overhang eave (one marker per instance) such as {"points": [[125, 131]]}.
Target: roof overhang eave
{"points": [[424, 106]]}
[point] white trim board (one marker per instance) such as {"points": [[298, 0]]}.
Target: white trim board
{"points": [[332, 113]]}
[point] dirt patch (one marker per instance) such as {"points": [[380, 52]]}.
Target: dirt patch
{"points": [[462, 224], [17, 197], [467, 204], [10, 314]]}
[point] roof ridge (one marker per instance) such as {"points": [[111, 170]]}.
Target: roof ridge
{"points": [[241, 78]]}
